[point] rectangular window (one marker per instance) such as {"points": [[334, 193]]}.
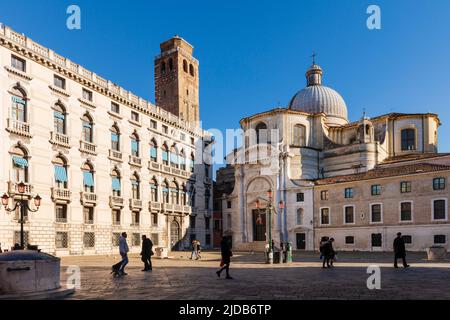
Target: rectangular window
{"points": [[405, 187], [405, 211], [348, 193], [136, 240], [18, 63], [192, 141], [153, 124], [207, 223], [376, 190], [165, 129], [439, 184], [439, 212], [59, 82], [407, 239], [300, 216], [135, 218], [440, 239], [350, 240], [349, 215], [61, 213], [324, 195], [89, 240], [325, 216], [155, 239], [229, 205], [61, 240], [192, 222], [116, 217], [300, 197], [25, 238], [134, 116], [375, 213], [408, 139], [115, 239], [182, 136], [88, 213], [155, 219], [115, 107], [87, 95]]}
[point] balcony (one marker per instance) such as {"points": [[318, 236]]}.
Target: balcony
{"points": [[135, 224], [136, 204], [155, 206], [135, 161], [59, 139], [154, 166], [61, 195], [88, 198], [88, 148], [116, 202], [18, 127], [175, 208], [13, 189], [115, 155]]}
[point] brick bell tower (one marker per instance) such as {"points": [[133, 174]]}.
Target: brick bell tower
{"points": [[177, 80]]}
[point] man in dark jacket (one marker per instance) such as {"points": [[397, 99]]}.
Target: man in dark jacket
{"points": [[400, 250], [328, 253], [225, 249], [147, 252]]}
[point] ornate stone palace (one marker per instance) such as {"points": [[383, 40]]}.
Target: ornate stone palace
{"points": [[103, 160], [360, 182]]}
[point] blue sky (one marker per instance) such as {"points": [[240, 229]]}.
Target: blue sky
{"points": [[253, 54]]}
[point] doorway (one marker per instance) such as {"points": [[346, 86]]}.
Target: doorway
{"points": [[301, 241], [174, 235], [259, 225]]}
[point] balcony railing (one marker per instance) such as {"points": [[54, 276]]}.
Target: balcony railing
{"points": [[88, 147], [116, 202], [152, 205], [59, 194], [135, 161], [175, 208], [135, 224], [59, 139], [88, 198], [135, 204], [88, 221], [18, 127], [115, 155], [61, 219], [154, 166], [13, 189]]}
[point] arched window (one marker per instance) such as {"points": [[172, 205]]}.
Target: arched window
{"points": [[174, 193], [165, 154], [20, 165], [115, 138], [174, 157], [183, 195], [261, 133], [135, 186], [59, 118], [192, 162], [185, 66], [153, 151], [116, 183], [88, 178], [191, 70], [88, 129], [19, 104], [298, 138], [408, 139], [61, 179], [165, 192], [163, 68], [135, 145], [182, 160], [154, 190], [170, 64]]}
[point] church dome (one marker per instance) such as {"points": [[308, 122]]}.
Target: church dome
{"points": [[316, 98]]}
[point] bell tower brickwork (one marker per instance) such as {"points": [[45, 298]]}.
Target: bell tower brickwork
{"points": [[177, 80]]}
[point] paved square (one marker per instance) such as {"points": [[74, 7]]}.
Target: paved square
{"points": [[179, 278]]}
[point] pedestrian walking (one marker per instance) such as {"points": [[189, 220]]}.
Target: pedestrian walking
{"points": [[123, 250], [328, 253], [194, 249], [322, 243], [225, 249], [400, 250], [199, 250], [146, 253]]}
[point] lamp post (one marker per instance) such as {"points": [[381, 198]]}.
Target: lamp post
{"points": [[270, 210], [22, 203]]}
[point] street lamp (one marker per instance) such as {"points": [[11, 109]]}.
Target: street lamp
{"points": [[270, 209], [22, 203]]}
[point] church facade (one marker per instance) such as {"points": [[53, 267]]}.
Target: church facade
{"points": [[104, 160], [359, 182]]}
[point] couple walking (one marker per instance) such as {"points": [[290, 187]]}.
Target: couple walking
{"points": [[327, 252], [196, 250], [146, 254]]}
